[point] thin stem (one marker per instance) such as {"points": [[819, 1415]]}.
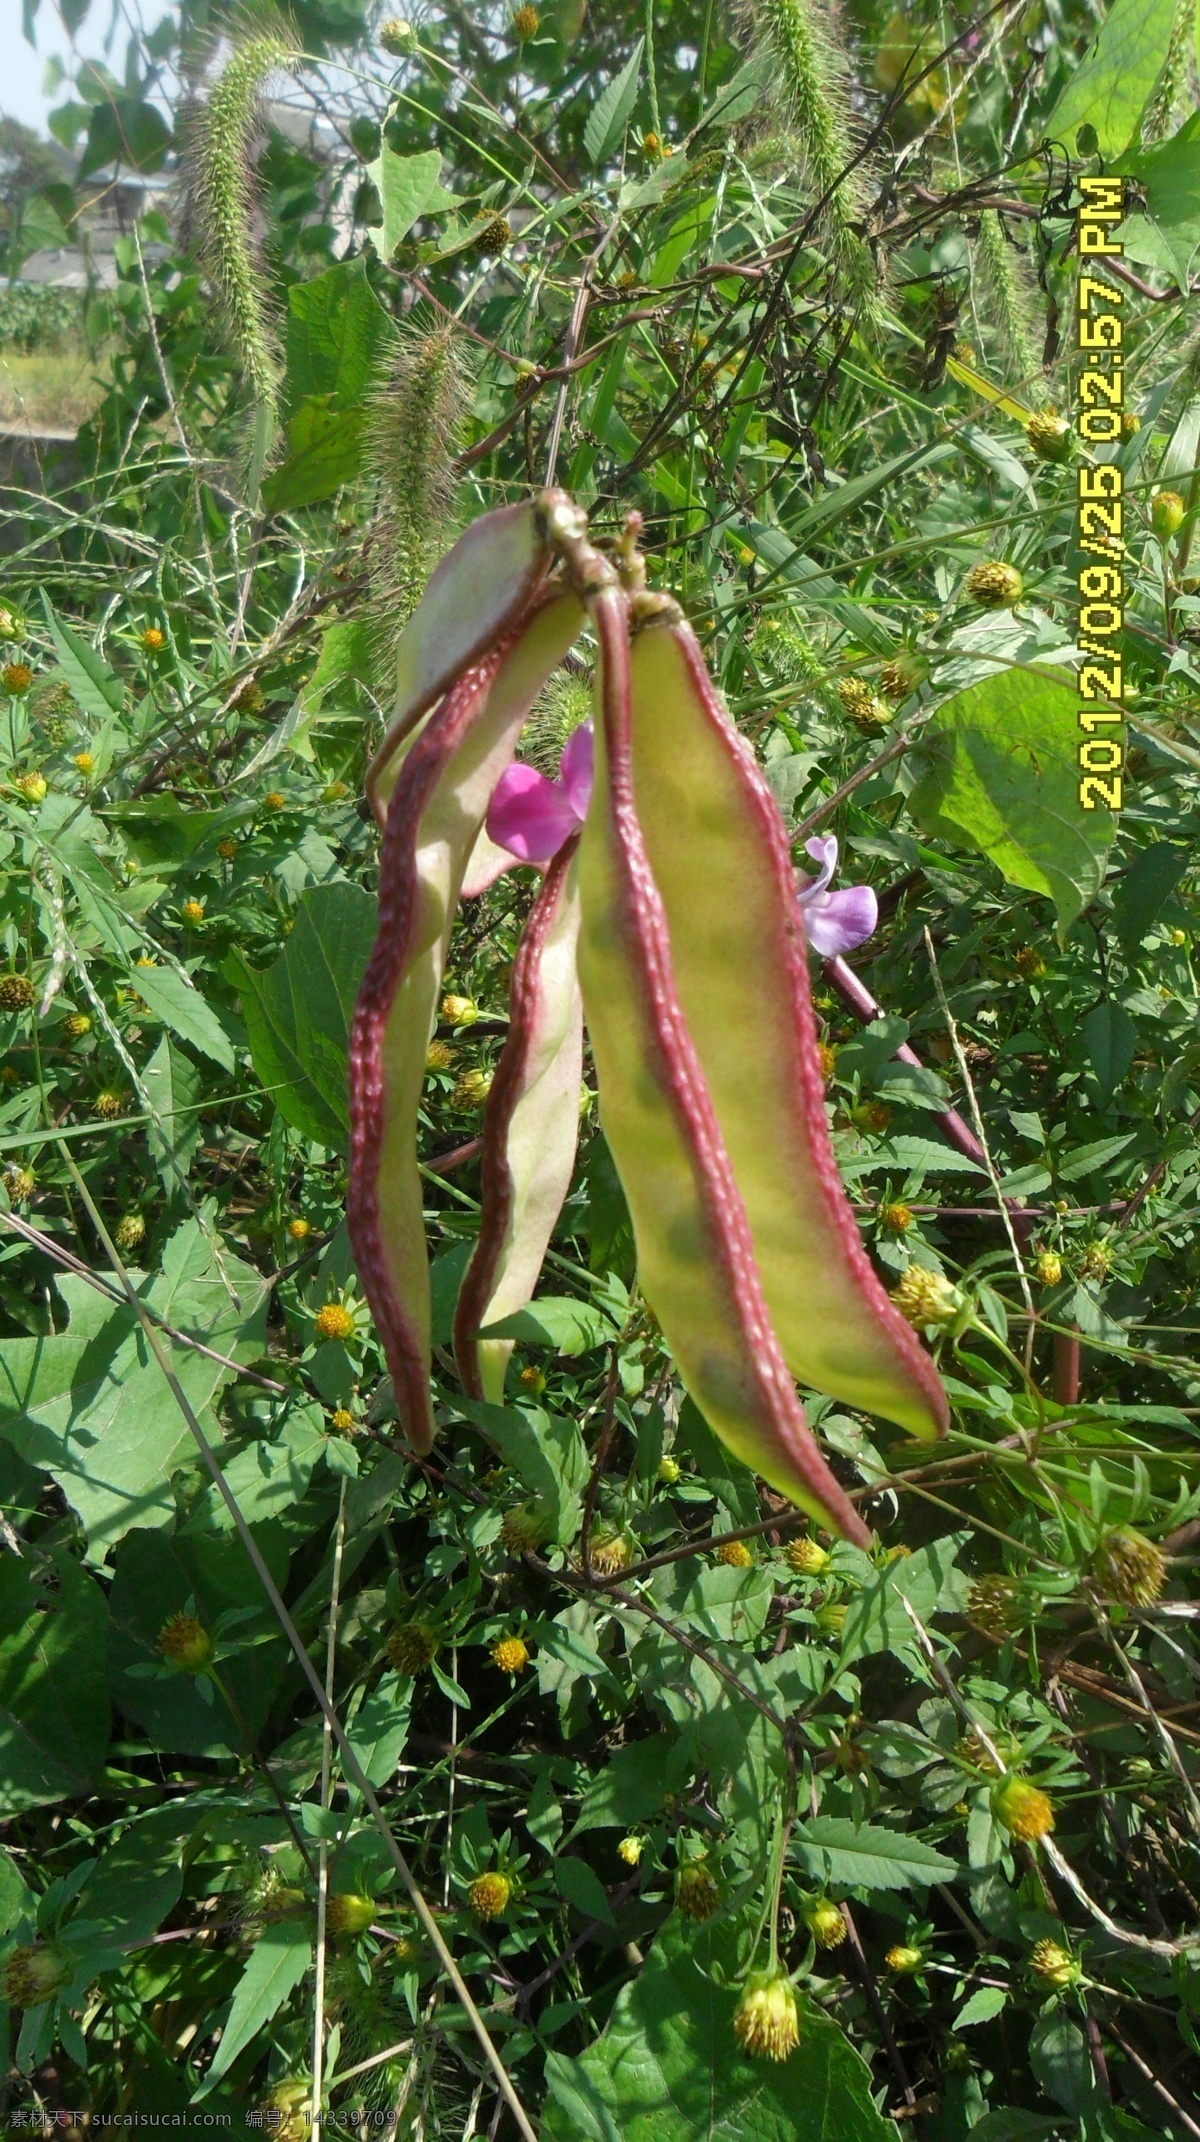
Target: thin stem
{"points": [[335, 1582]]}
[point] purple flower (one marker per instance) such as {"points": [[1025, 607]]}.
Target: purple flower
{"points": [[834, 921], [532, 816]]}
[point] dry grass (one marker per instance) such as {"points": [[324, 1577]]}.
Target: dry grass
{"points": [[56, 388]]}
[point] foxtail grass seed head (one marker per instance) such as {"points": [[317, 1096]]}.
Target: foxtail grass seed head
{"points": [[186, 1643], [33, 1973], [1166, 514], [826, 1923], [994, 1607], [415, 425], [349, 1913], [735, 1554], [905, 1959], [1003, 272], [130, 1231], [17, 993], [630, 1850], [766, 2022], [696, 1891], [412, 1647], [1048, 1268], [510, 1654], [1130, 1569], [1022, 1809], [334, 1321], [924, 1297], [221, 156], [489, 1895], [994, 585], [33, 786], [1054, 1965], [1049, 435], [811, 78]]}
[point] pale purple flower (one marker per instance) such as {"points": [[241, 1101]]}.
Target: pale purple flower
{"points": [[834, 921], [531, 815]]}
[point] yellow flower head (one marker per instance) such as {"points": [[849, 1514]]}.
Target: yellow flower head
{"points": [[334, 1321], [766, 2022], [510, 1654], [489, 1895]]}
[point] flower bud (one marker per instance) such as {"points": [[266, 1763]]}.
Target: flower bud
{"points": [[299, 1229], [521, 1529], [109, 1104], [1167, 513], [17, 993], [20, 1183], [525, 23], [274, 800], [765, 2022], [130, 1231], [831, 1618], [459, 1011], [334, 1321], [75, 1026], [1049, 435], [84, 762], [227, 850], [871, 1116], [193, 911], [668, 1472], [993, 1607], [735, 1554], [1055, 1966], [472, 1089], [696, 1891], [16, 677], [492, 237], [439, 1056], [904, 1959], [342, 1422], [630, 1850], [489, 1894], [510, 1654], [32, 786], [610, 1552], [995, 585], [1047, 1268], [825, 1923], [153, 640], [185, 1643], [1131, 1569], [396, 35], [33, 1973], [412, 1647], [897, 1219], [348, 1913], [925, 1297], [1096, 1261], [806, 1556], [1022, 1809]]}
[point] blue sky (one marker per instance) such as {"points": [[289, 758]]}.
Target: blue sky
{"points": [[22, 68]]}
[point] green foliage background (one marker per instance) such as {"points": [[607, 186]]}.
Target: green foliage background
{"points": [[600, 227]]}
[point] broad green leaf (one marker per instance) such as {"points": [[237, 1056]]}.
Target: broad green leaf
{"points": [[546, 1452], [175, 1000], [632, 1785], [668, 2068], [581, 1886], [278, 1961], [876, 1618], [136, 1883], [298, 1012], [985, 2002], [866, 1855], [90, 1405], [336, 328], [408, 187], [1006, 2126], [1059, 2057], [154, 1577], [172, 1083], [96, 687], [613, 109], [1169, 176], [269, 1476], [380, 1728], [53, 1692], [1112, 85], [1144, 889], [126, 131], [1001, 771], [570, 1327], [324, 449], [1110, 1038]]}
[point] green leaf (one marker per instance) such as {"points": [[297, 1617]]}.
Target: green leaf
{"points": [[613, 109], [126, 131], [668, 2068], [172, 1083], [269, 1476], [278, 1961], [876, 1618], [1061, 2062], [1169, 176], [1147, 885], [175, 1000], [1111, 87], [1000, 769], [556, 1320], [135, 1884], [298, 1012], [868, 1856], [336, 329], [96, 687], [545, 1452], [632, 1785], [380, 1728], [408, 187], [985, 2002], [1005, 2126], [324, 450], [53, 1689], [582, 1887], [1110, 1038]]}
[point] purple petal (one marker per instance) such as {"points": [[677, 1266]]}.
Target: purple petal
{"points": [[837, 921], [530, 815], [576, 769], [824, 851]]}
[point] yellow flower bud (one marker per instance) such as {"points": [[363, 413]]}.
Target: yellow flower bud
{"points": [[766, 2022], [334, 1321]]}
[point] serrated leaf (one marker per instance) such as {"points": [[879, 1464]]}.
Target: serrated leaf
{"points": [[1111, 86], [96, 687], [1110, 1038], [1001, 771], [570, 1327], [380, 1727], [868, 1856], [298, 1012], [407, 187], [178, 1003], [613, 109], [276, 1964], [985, 2002], [546, 1452], [668, 2067], [53, 1693]]}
